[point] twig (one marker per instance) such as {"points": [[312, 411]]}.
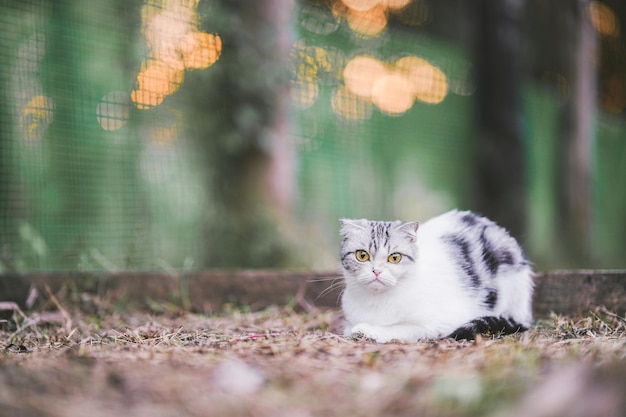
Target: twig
{"points": [[604, 310], [63, 311]]}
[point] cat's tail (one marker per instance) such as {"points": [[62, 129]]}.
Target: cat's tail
{"points": [[488, 324]]}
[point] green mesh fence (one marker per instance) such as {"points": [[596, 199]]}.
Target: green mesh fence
{"points": [[188, 134]]}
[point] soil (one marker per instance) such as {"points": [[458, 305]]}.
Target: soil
{"points": [[81, 358]]}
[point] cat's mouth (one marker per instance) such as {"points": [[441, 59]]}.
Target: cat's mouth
{"points": [[376, 285]]}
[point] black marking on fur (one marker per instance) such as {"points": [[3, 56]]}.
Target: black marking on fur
{"points": [[379, 235], [409, 257], [506, 257], [488, 255], [379, 232], [496, 326], [345, 263], [466, 261], [470, 219], [387, 236], [491, 299], [493, 257], [345, 255], [373, 242]]}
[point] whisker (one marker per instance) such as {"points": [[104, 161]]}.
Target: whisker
{"points": [[332, 287], [327, 291], [340, 294], [322, 279]]}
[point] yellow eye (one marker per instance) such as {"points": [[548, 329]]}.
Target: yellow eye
{"points": [[394, 258], [362, 255]]}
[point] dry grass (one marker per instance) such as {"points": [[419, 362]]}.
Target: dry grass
{"points": [[64, 361]]}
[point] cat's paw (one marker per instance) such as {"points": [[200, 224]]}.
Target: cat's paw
{"points": [[367, 331]]}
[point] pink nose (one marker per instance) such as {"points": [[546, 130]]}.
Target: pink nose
{"points": [[376, 273]]}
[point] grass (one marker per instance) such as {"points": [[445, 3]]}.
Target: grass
{"points": [[83, 357]]}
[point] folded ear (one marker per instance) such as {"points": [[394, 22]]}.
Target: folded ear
{"points": [[409, 229], [348, 225]]}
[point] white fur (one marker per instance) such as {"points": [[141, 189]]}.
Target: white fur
{"points": [[426, 299]]}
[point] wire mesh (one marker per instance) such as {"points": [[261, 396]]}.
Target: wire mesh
{"points": [[187, 134]]}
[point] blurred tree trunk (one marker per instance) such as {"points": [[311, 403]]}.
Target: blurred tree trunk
{"points": [[238, 124], [563, 59], [499, 191], [576, 137]]}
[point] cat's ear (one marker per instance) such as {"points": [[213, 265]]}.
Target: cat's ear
{"points": [[352, 225], [409, 229]]}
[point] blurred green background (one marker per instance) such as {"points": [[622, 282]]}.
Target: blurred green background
{"points": [[170, 135]]}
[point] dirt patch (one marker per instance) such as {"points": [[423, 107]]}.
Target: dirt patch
{"points": [[278, 362]]}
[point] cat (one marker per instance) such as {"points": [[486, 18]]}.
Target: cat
{"points": [[457, 275]]}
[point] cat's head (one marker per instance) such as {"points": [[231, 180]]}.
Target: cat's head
{"points": [[376, 254]]}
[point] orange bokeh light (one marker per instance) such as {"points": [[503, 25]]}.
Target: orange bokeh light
{"points": [[37, 116], [200, 50], [304, 93], [603, 19], [369, 22], [360, 5], [393, 88], [392, 95], [396, 4], [350, 106], [155, 81], [176, 45], [426, 81], [361, 73]]}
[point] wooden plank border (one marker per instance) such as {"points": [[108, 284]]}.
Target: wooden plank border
{"points": [[562, 292], [579, 291]]}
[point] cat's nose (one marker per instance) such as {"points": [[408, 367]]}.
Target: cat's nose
{"points": [[376, 273]]}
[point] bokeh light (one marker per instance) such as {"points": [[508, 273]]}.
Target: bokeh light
{"points": [[36, 116], [155, 81], [364, 81], [349, 106], [304, 93], [427, 82], [361, 73], [396, 4], [603, 19], [369, 18], [113, 110], [392, 95], [312, 66], [200, 50], [361, 5], [369, 23], [314, 63], [393, 88], [176, 45], [419, 73]]}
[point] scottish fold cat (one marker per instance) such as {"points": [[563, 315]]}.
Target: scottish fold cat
{"points": [[456, 275]]}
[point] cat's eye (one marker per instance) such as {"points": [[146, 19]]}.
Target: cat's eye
{"points": [[362, 255], [394, 258]]}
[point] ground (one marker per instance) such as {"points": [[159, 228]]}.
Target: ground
{"points": [[79, 358]]}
